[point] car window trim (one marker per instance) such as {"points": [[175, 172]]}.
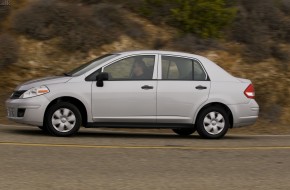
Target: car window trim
{"points": [[180, 56], [133, 55]]}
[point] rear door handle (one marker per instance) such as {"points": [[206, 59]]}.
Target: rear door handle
{"points": [[147, 87], [201, 87]]}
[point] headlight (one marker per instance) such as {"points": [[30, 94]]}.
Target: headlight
{"points": [[36, 91]]}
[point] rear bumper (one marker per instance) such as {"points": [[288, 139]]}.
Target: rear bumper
{"points": [[34, 109], [245, 114]]}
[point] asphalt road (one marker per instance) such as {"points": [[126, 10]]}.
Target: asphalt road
{"points": [[103, 159]]}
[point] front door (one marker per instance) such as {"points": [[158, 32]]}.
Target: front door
{"points": [[130, 93]]}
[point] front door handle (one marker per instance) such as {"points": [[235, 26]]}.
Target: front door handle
{"points": [[147, 87], [201, 87]]}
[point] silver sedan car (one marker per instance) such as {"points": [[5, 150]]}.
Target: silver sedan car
{"points": [[138, 89]]}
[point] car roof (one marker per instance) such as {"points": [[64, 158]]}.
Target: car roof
{"points": [[175, 53]]}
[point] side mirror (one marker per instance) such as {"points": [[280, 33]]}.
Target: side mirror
{"points": [[101, 78]]}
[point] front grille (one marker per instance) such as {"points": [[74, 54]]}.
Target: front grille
{"points": [[17, 94]]}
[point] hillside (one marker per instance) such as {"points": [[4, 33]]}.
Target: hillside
{"points": [[42, 39]]}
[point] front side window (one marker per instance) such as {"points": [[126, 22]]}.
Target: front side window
{"points": [[132, 68], [91, 65], [177, 68]]}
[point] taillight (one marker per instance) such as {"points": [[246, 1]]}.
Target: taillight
{"points": [[250, 91]]}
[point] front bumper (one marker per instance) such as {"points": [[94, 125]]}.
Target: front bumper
{"points": [[245, 114], [34, 109]]}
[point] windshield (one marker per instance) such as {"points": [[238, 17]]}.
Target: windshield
{"points": [[90, 65]]}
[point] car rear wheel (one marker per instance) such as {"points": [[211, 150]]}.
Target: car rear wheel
{"points": [[184, 131], [63, 119], [212, 123]]}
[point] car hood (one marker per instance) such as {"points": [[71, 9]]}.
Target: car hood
{"points": [[43, 81]]}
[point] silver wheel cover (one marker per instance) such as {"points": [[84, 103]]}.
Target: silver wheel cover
{"points": [[63, 120], [214, 123]]}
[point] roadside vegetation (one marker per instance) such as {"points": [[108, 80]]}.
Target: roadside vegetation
{"points": [[78, 27]]}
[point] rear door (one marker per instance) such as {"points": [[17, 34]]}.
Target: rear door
{"points": [[182, 88]]}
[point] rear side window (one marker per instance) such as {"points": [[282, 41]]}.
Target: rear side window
{"points": [[177, 68], [198, 72]]}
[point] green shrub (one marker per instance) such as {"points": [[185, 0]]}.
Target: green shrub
{"points": [[205, 19]]}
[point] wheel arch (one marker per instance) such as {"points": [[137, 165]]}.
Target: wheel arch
{"points": [[79, 104], [219, 104]]}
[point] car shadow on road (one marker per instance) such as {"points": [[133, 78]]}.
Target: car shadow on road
{"points": [[149, 135], [101, 134], [120, 134]]}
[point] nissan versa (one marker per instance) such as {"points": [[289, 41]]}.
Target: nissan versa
{"points": [[136, 89]]}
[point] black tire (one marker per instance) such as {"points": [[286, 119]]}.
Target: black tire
{"points": [[184, 131], [204, 129], [44, 129], [53, 128]]}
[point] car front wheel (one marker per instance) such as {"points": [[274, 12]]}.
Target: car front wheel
{"points": [[63, 119], [212, 123]]}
